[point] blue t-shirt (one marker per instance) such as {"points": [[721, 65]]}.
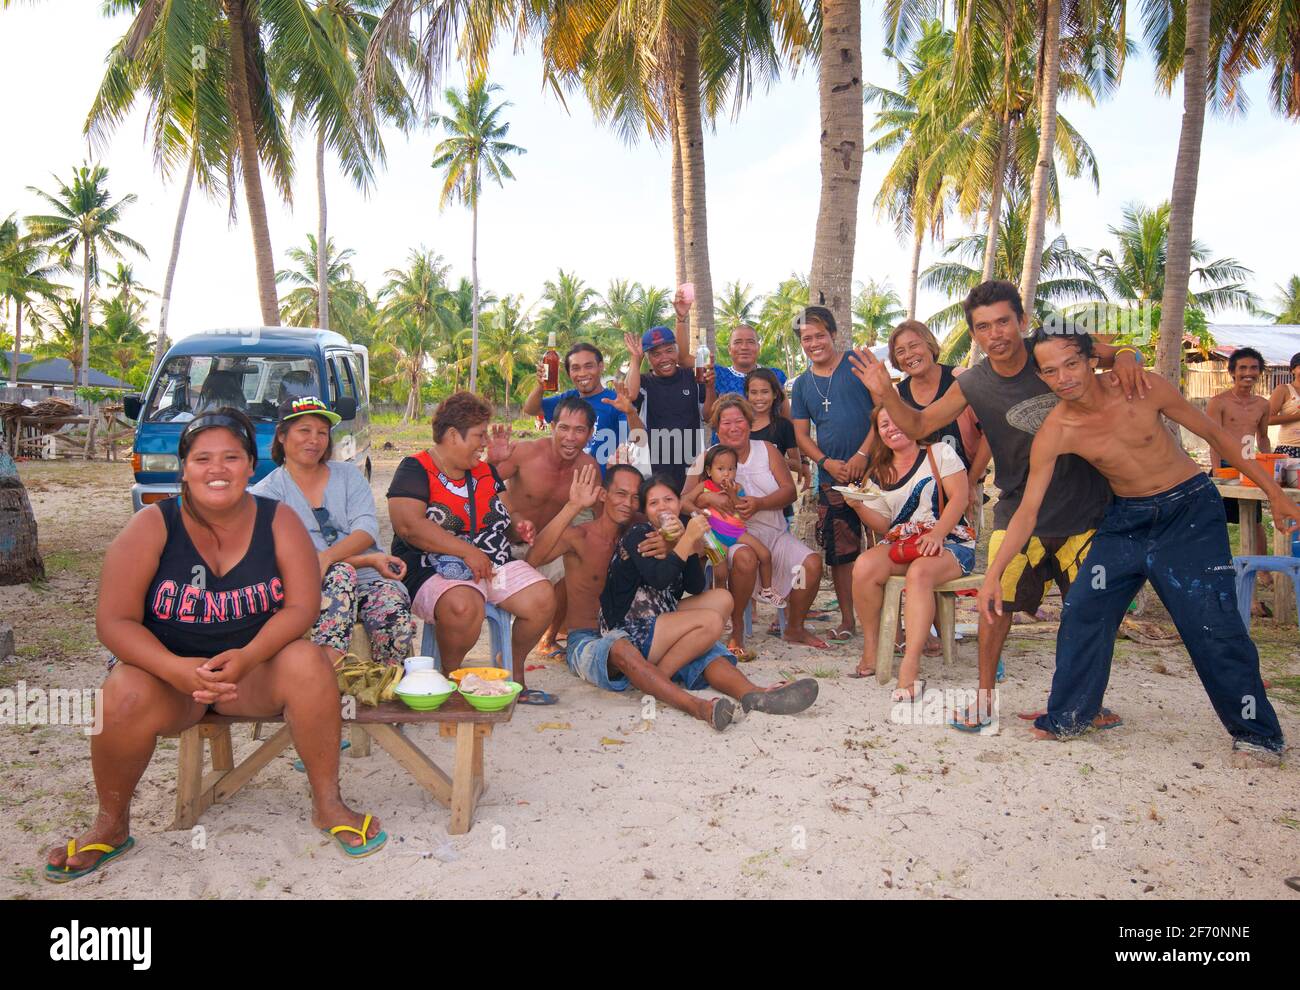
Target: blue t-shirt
{"points": [[611, 424], [727, 380], [842, 429]]}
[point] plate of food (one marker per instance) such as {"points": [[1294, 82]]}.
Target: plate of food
{"points": [[863, 492], [488, 696]]}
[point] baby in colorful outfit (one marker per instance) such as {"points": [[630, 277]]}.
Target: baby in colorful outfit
{"points": [[720, 478]]}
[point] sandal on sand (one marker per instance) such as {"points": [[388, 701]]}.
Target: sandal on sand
{"points": [[788, 699], [366, 847], [838, 635], [911, 694], [722, 713], [64, 873], [536, 696], [961, 722], [859, 675]]}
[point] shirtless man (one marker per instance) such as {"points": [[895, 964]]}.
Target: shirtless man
{"points": [[611, 661], [1245, 416], [1165, 525]]}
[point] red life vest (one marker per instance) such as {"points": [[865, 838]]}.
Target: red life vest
{"points": [[483, 523]]}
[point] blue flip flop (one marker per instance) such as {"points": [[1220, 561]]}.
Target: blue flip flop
{"points": [[301, 768], [962, 724], [1002, 672], [62, 874], [367, 846], [536, 696]]}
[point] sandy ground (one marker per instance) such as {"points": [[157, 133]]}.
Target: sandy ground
{"points": [[587, 799]]}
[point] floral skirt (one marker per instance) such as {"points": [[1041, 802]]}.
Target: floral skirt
{"points": [[380, 606]]}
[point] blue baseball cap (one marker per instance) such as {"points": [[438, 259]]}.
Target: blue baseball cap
{"points": [[656, 337]]}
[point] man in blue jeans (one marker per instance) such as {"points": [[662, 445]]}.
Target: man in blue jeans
{"points": [[1165, 525]]}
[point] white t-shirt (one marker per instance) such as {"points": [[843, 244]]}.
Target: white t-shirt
{"points": [[913, 497]]}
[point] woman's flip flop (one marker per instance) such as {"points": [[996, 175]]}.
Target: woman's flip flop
{"points": [[64, 873], [367, 846], [536, 696]]}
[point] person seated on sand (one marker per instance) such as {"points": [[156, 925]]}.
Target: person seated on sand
{"points": [[1165, 525], [359, 582], [203, 602], [643, 585], [765, 476], [454, 532], [912, 509]]}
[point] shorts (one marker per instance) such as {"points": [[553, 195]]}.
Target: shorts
{"points": [[553, 572], [692, 678], [587, 655], [509, 579], [963, 553], [839, 530], [1045, 559]]}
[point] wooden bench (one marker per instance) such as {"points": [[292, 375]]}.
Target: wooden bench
{"points": [[945, 618], [197, 791]]}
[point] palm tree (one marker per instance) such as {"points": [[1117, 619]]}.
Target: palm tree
{"points": [[776, 318], [508, 343], [62, 325], [1068, 275], [737, 306], [474, 148], [876, 309], [570, 310], [25, 274], [840, 105], [1287, 301], [419, 320], [324, 84], [345, 296], [84, 221], [126, 287], [120, 342]]}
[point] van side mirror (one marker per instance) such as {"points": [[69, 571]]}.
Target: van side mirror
{"points": [[346, 407], [131, 405]]}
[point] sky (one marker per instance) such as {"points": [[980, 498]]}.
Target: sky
{"points": [[587, 202]]}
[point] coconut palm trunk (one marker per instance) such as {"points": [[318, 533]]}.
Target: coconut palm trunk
{"points": [[165, 306], [679, 235], [830, 280], [18, 343], [694, 209], [249, 162], [85, 312], [1051, 73], [918, 236], [995, 200], [1182, 204], [322, 246], [473, 274], [21, 562]]}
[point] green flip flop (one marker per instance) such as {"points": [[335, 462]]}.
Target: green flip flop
{"points": [[367, 846], [62, 874]]}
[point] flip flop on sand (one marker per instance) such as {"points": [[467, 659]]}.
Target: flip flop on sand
{"points": [[860, 674], [722, 713], [367, 846], [302, 768], [909, 694], [838, 635], [64, 873], [789, 698], [536, 696]]}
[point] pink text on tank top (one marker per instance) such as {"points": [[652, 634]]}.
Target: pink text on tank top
{"points": [[189, 603]]}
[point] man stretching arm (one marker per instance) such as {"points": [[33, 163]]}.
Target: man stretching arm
{"points": [[1165, 525]]}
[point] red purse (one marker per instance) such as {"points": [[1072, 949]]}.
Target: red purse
{"points": [[907, 549]]}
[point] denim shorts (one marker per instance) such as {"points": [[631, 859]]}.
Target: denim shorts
{"points": [[691, 677], [964, 555], [587, 655]]}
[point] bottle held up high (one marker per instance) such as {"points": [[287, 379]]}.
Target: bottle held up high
{"points": [[551, 366]]}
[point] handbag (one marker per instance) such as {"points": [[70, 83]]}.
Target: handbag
{"points": [[907, 549]]}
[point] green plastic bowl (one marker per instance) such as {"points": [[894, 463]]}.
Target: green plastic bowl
{"points": [[425, 702], [494, 703]]}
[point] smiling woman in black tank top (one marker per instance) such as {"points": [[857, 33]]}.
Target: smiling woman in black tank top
{"points": [[203, 602]]}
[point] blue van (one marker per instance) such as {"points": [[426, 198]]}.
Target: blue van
{"points": [[253, 370]]}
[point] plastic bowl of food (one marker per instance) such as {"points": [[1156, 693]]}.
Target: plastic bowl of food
{"points": [[1228, 473], [486, 673], [425, 702], [491, 702]]}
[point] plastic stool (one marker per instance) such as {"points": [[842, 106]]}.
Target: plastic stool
{"points": [[498, 621], [749, 620], [1248, 567]]}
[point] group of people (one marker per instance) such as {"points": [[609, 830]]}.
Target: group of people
{"points": [[241, 599]]}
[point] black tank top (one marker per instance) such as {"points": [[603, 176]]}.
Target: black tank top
{"points": [[193, 612], [949, 434]]}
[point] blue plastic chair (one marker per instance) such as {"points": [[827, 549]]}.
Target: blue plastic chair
{"points": [[1248, 567], [498, 621], [749, 609]]}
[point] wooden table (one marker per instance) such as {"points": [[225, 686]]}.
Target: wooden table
{"points": [[1249, 498], [196, 791]]}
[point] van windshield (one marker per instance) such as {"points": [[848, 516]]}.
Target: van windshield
{"points": [[255, 384]]}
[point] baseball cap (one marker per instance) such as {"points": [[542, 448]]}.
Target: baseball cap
{"points": [[307, 405], [657, 337]]}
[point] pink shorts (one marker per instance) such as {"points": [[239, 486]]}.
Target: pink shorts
{"points": [[507, 580]]}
